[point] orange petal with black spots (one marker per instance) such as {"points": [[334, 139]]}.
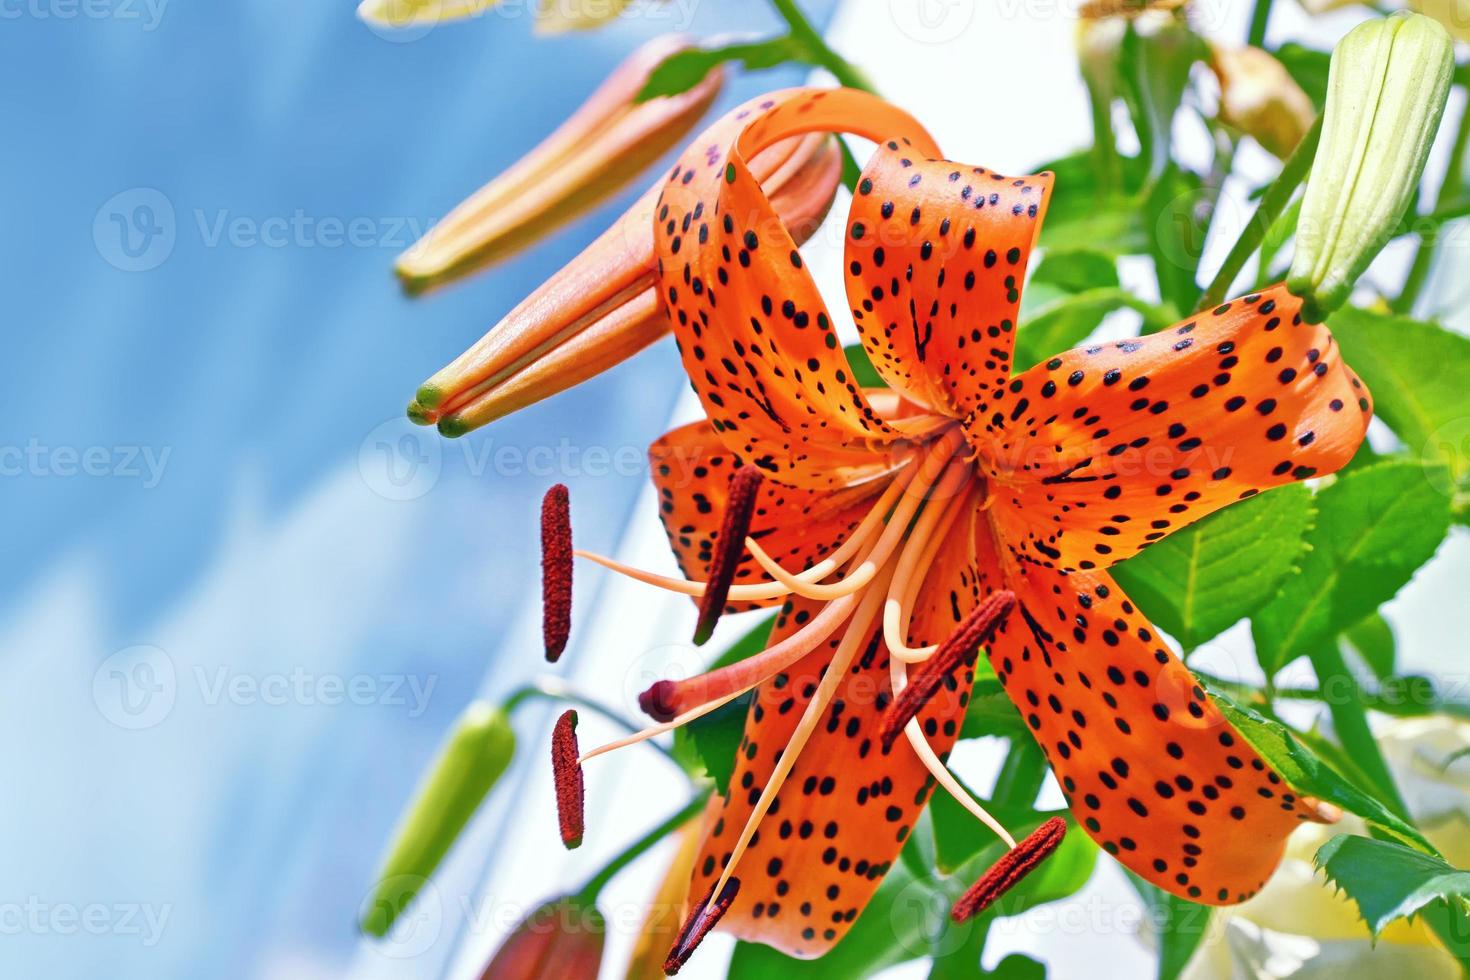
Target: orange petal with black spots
{"points": [[1098, 452], [797, 527], [756, 339], [936, 256], [845, 810], [1150, 767]]}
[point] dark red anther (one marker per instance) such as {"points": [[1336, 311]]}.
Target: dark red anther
{"points": [[556, 570], [974, 630], [567, 773], [702, 919], [745, 484], [1006, 873]]}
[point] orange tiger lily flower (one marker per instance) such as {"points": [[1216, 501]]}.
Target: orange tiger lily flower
{"points": [[900, 529]]}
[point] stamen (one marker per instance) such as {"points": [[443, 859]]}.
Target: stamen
{"points": [[1006, 873], [739, 509], [656, 730], [860, 577], [859, 630], [929, 535], [976, 629], [946, 779], [702, 919], [556, 570], [666, 699], [567, 773]]}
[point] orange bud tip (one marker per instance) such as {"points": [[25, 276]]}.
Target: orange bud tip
{"points": [[658, 701], [570, 786], [974, 630], [1007, 873], [739, 509], [419, 415], [452, 426], [699, 924], [1321, 811], [429, 395], [556, 570]]}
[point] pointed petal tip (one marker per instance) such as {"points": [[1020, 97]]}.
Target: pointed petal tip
{"points": [[702, 920], [570, 783]]}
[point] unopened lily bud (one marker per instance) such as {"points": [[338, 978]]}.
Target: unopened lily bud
{"points": [[563, 939], [473, 759], [1386, 93], [1259, 97], [606, 143]]}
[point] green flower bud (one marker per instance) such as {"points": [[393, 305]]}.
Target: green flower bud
{"points": [[476, 755], [1386, 93]]}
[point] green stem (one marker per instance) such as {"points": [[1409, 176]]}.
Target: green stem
{"points": [[551, 689], [1450, 190], [802, 31], [1260, 18], [590, 891], [1350, 721], [1273, 202]]}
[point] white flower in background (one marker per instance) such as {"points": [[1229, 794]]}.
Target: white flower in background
{"points": [[1299, 928]]}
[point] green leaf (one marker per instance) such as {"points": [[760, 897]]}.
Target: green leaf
{"points": [[683, 70], [1375, 527], [991, 712], [1204, 578], [1180, 925], [1309, 775], [1072, 271], [1374, 642], [1417, 372], [1084, 216], [1389, 881], [862, 368], [711, 742]]}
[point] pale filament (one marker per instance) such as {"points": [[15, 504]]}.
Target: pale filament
{"points": [[913, 472], [763, 591], [860, 576], [924, 543], [915, 735]]}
